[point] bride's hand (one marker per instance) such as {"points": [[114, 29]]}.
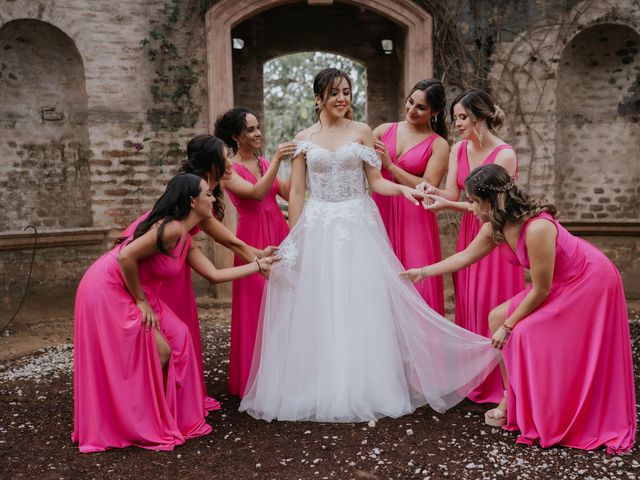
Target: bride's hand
{"points": [[412, 194], [435, 203], [413, 274]]}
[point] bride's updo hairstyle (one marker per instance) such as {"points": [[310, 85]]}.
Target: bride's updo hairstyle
{"points": [[508, 202], [323, 83], [480, 106]]}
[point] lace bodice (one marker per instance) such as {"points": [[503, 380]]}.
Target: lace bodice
{"points": [[337, 176]]}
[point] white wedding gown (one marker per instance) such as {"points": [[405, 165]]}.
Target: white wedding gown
{"points": [[342, 337]]}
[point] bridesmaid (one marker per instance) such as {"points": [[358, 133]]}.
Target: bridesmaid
{"points": [[415, 151], [486, 284], [565, 338], [252, 187], [207, 158], [136, 378]]}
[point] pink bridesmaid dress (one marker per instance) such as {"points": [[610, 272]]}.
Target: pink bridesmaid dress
{"points": [[484, 285], [413, 232], [122, 395], [177, 292], [260, 224], [569, 362]]}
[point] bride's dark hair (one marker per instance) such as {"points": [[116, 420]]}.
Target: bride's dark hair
{"points": [[324, 81], [508, 202]]}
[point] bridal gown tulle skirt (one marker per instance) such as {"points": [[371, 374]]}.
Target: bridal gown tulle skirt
{"points": [[343, 337]]}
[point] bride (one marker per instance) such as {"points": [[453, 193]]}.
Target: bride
{"points": [[342, 337]]}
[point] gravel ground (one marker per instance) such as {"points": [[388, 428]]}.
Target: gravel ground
{"points": [[36, 420]]}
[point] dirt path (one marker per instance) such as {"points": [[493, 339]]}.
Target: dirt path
{"points": [[36, 420]]}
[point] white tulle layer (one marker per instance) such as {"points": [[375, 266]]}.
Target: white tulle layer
{"points": [[344, 338]]}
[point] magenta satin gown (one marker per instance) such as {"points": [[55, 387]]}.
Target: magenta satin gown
{"points": [[413, 232], [177, 292], [484, 285], [122, 396], [260, 224], [569, 361]]}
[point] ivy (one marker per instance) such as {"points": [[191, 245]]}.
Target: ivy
{"points": [[176, 74]]}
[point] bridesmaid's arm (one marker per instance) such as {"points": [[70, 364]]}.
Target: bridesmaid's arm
{"points": [[244, 189], [507, 158], [479, 248], [378, 183], [221, 234], [203, 266], [433, 173], [540, 239], [141, 248]]}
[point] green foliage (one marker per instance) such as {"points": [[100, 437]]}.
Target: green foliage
{"points": [[175, 74], [288, 93]]}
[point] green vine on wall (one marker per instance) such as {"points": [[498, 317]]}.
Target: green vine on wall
{"points": [[176, 74]]}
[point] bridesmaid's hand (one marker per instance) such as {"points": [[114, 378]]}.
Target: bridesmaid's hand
{"points": [[436, 203], [265, 264], [149, 319], [499, 338], [413, 274], [285, 149], [427, 188], [267, 251], [381, 149]]}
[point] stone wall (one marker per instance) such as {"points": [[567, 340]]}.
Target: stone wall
{"points": [[92, 126]]}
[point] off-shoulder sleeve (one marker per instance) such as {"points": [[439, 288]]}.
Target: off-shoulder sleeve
{"points": [[370, 156], [301, 147]]}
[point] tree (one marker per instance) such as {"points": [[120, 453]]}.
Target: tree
{"points": [[288, 93]]}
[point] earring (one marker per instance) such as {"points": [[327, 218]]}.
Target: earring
{"points": [[481, 133], [434, 119]]}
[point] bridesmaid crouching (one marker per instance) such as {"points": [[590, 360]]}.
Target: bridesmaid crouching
{"points": [[565, 338], [136, 375]]}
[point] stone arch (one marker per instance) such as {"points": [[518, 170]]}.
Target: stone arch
{"points": [[598, 129], [415, 23], [43, 111]]}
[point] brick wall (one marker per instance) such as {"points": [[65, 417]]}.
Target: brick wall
{"points": [[107, 159]]}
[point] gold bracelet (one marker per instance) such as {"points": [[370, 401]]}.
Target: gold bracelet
{"points": [[423, 272]]}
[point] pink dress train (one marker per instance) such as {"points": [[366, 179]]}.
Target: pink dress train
{"points": [[413, 232], [122, 396], [484, 285], [177, 292], [569, 362], [260, 224]]}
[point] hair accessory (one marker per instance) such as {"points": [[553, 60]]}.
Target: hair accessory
{"points": [[495, 188]]}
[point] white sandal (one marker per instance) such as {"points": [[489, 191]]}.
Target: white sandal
{"points": [[496, 417]]}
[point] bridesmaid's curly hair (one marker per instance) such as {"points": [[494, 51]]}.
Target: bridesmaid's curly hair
{"points": [[508, 203], [230, 125], [206, 156]]}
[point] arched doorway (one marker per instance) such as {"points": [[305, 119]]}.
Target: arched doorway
{"points": [[353, 28], [43, 110], [598, 128]]}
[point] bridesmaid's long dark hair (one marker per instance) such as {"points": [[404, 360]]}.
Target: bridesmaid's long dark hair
{"points": [[206, 155], [436, 98], [173, 204]]}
